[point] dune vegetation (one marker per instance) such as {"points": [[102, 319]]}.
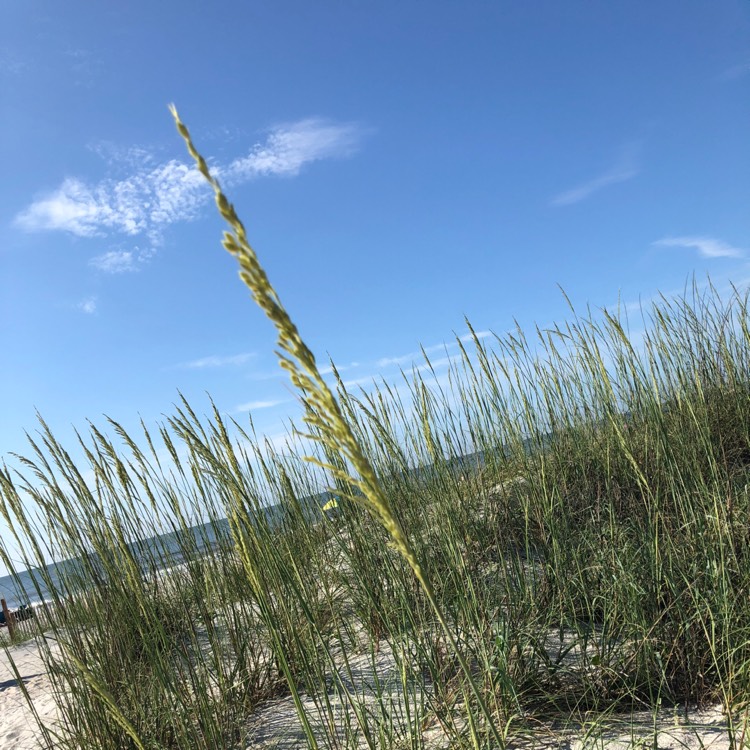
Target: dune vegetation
{"points": [[547, 533]]}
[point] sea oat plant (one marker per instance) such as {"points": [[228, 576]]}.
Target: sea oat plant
{"points": [[323, 414]]}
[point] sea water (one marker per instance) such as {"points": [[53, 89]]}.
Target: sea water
{"points": [[33, 586], [153, 554]]}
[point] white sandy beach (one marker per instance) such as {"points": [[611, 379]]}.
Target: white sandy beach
{"points": [[275, 725], [18, 728], [374, 679]]}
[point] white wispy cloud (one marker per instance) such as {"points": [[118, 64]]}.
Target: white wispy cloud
{"points": [[114, 261], [413, 357], [418, 357], [143, 203], [126, 158], [402, 359], [364, 380], [279, 374], [87, 305], [328, 369], [415, 360], [217, 361], [289, 147], [155, 196], [255, 405], [626, 168], [478, 334], [708, 247], [437, 364]]}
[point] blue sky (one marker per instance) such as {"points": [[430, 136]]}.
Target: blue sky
{"points": [[398, 165]]}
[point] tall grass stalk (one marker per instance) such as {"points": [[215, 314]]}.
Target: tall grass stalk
{"points": [[323, 414]]}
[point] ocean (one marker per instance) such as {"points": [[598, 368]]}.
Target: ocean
{"points": [[158, 552], [30, 586]]}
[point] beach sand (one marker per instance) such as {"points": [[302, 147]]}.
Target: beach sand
{"points": [[18, 728], [275, 724]]}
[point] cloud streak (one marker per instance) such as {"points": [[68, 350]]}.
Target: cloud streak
{"points": [[154, 197], [708, 247], [289, 147], [87, 305], [215, 361], [255, 405], [625, 169], [142, 204], [403, 359], [477, 334], [114, 261]]}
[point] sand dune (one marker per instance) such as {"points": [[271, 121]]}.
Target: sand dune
{"points": [[276, 724]]}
